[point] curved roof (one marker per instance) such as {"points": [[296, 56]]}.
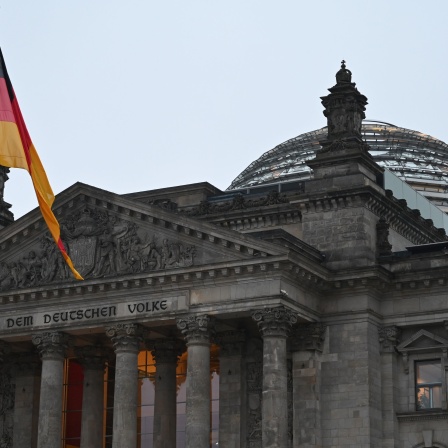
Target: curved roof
{"points": [[417, 158]]}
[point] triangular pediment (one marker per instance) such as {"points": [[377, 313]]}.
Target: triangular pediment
{"points": [[107, 235], [421, 341]]}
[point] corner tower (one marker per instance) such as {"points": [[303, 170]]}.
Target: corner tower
{"points": [[336, 217]]}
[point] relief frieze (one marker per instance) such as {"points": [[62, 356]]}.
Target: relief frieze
{"points": [[99, 245]]}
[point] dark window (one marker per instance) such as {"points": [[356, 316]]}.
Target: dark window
{"points": [[428, 384]]}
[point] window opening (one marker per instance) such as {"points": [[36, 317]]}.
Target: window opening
{"points": [[428, 376]]}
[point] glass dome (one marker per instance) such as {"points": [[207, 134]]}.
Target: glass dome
{"points": [[417, 158]]}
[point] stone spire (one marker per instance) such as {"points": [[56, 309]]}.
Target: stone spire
{"points": [[6, 216], [344, 151], [344, 109]]}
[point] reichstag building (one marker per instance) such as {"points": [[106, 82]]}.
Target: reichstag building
{"points": [[304, 307]]}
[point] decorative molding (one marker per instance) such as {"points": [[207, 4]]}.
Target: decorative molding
{"points": [[51, 345], [274, 322], [383, 246], [126, 337], [389, 338], [196, 329]]}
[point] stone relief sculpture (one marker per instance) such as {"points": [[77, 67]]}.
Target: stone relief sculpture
{"points": [[238, 202], [99, 245]]}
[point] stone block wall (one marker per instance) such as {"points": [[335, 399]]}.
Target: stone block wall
{"points": [[345, 235], [351, 387]]}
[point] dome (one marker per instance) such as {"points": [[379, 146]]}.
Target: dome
{"points": [[416, 158]]}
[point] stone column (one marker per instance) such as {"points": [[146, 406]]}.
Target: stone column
{"points": [[126, 339], [197, 331], [26, 370], [166, 353], [306, 345], [93, 359], [52, 347], [232, 389], [274, 325]]}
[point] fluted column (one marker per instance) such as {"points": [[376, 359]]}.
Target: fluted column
{"points": [[197, 331], [93, 359], [274, 325], [52, 347], [232, 388], [26, 370], [126, 339], [166, 353]]}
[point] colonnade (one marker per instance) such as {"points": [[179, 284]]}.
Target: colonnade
{"points": [[127, 338]]}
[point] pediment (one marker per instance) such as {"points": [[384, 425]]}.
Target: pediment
{"points": [[421, 341], [110, 235]]}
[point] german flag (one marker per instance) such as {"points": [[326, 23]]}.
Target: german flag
{"points": [[17, 151]]}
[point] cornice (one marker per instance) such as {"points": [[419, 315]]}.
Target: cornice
{"points": [[155, 281], [400, 217], [32, 224]]}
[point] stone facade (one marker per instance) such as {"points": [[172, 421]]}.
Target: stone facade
{"points": [[299, 314]]}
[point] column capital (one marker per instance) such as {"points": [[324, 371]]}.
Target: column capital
{"points": [[93, 357], [231, 343], [51, 345], [274, 322], [197, 329], [126, 337], [389, 338], [308, 337], [165, 351]]}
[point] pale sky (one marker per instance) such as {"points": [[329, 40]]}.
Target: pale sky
{"points": [[136, 95]]}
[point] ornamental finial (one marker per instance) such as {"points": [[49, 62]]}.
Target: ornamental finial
{"points": [[344, 74]]}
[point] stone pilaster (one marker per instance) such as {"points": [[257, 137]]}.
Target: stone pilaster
{"points": [[93, 359], [52, 347], [166, 353], [26, 371], [232, 388], [306, 346], [126, 339], [389, 338], [274, 325], [197, 331]]}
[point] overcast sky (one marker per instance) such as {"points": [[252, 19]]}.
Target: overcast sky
{"points": [[136, 95]]}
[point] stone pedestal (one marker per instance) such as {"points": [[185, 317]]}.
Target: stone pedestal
{"points": [[52, 347], [126, 339], [197, 331], [232, 389], [274, 325], [26, 371], [93, 359], [166, 353]]}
